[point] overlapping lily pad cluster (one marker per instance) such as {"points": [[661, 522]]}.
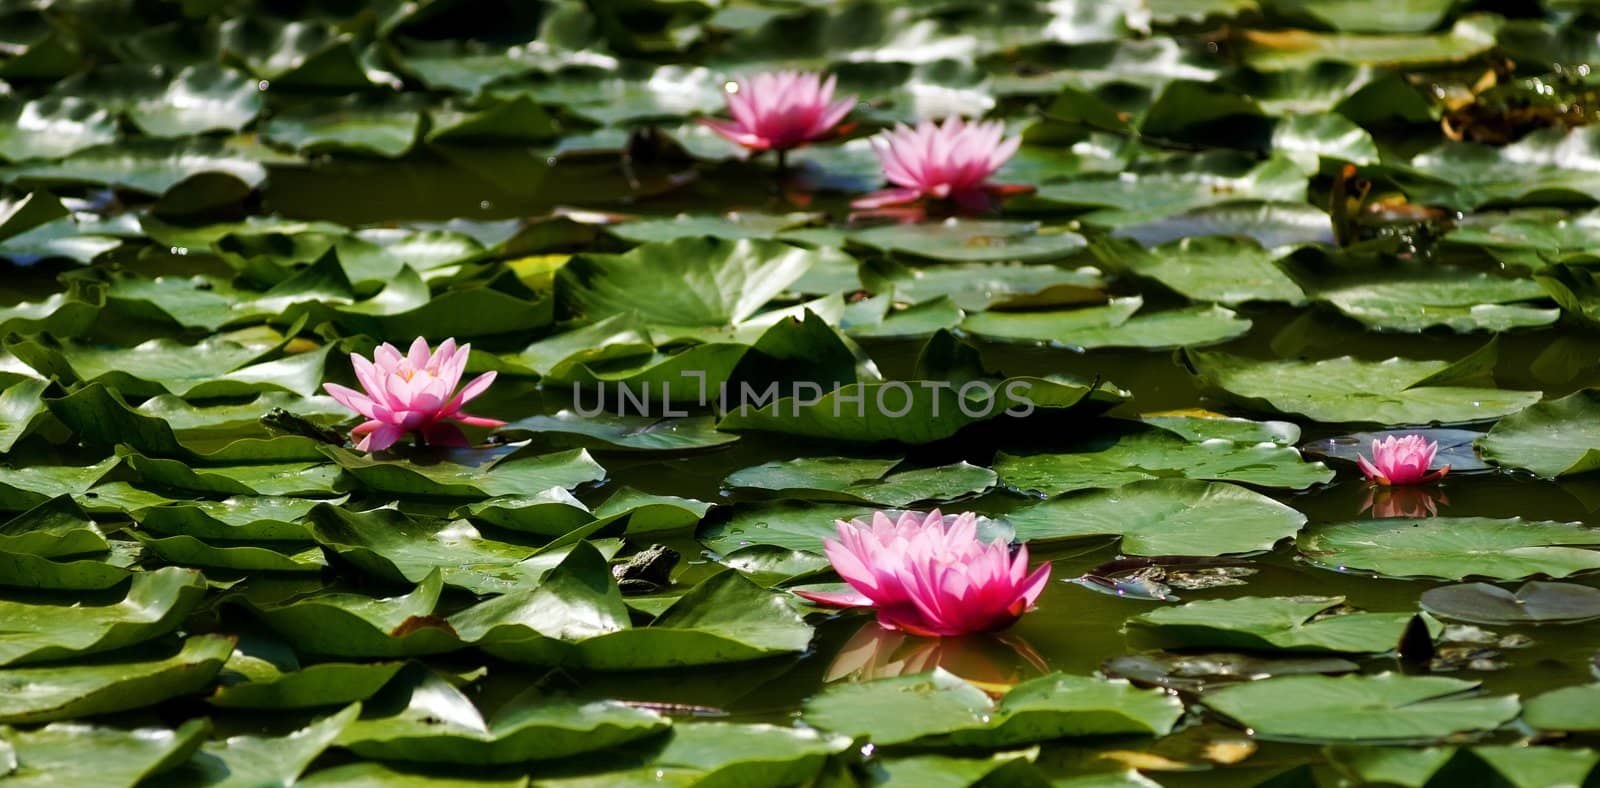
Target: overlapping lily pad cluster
{"points": [[1249, 218]]}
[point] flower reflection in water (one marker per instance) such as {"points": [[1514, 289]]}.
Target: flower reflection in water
{"points": [[993, 662], [1410, 502]]}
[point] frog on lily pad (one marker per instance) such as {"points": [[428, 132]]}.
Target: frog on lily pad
{"points": [[647, 571]]}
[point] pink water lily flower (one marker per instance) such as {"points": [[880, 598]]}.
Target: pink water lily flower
{"points": [[1402, 460], [950, 161], [931, 576], [413, 394], [781, 110]]}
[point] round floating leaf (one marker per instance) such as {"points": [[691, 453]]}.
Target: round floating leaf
{"points": [[354, 625], [1163, 517], [864, 481], [1555, 438], [325, 684], [1209, 268], [1465, 175], [1382, 708], [188, 551], [1131, 453], [969, 241], [154, 166], [1272, 624], [427, 719], [610, 431], [156, 603], [52, 128], [110, 684], [1414, 301], [1199, 672], [1347, 390], [399, 548], [381, 128], [1292, 49], [1535, 602], [261, 760], [938, 704], [1112, 325], [1151, 192], [506, 476], [795, 526], [1566, 709], [1453, 547], [55, 754]]}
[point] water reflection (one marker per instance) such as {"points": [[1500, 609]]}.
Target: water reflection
{"points": [[994, 662], [1404, 501]]}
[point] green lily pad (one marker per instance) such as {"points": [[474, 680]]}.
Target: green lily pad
{"points": [[968, 241], [1465, 175], [1554, 438], [1565, 709], [1302, 623], [52, 128], [247, 760], [1535, 602], [65, 314], [1158, 191], [355, 124], [354, 625], [611, 431], [786, 524], [1292, 49], [1130, 453], [184, 550], [687, 286], [156, 603], [27, 487], [1453, 548], [238, 519], [1415, 301], [1209, 268], [56, 528], [54, 754], [507, 476], [154, 166], [1112, 325], [1382, 708], [429, 720], [323, 684], [1347, 390], [862, 481], [1163, 517], [576, 616], [403, 549], [939, 706], [110, 684]]}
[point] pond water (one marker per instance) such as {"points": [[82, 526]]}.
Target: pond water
{"points": [[1258, 234]]}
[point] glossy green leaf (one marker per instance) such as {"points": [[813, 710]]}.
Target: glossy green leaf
{"points": [[1163, 517], [1300, 623], [57, 692], [1453, 548], [1386, 707]]}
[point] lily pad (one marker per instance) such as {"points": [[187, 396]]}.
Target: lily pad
{"points": [[1535, 602], [1347, 390], [57, 692], [974, 241], [1566, 709], [1453, 548], [446, 479], [156, 603], [1384, 708], [426, 719], [1553, 438], [1129, 453], [1112, 326], [123, 756], [1163, 517], [938, 706], [1209, 268], [1273, 624], [354, 625], [862, 481]]}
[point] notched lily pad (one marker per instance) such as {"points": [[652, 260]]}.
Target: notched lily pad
{"points": [[1536, 602]]}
